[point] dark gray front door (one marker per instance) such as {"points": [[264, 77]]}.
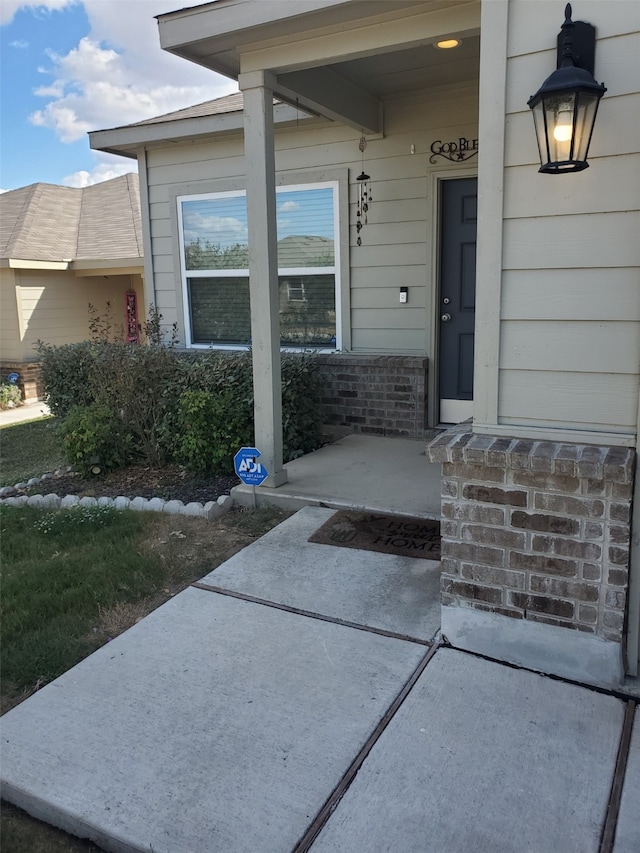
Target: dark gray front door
{"points": [[458, 220]]}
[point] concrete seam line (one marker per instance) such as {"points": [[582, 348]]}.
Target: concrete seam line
{"points": [[595, 688], [339, 791], [615, 795], [243, 596]]}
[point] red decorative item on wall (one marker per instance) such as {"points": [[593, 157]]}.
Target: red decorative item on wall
{"points": [[131, 313]]}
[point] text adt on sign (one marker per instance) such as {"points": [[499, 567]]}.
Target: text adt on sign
{"points": [[247, 467]]}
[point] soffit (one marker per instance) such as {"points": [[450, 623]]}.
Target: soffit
{"points": [[203, 32], [339, 60]]}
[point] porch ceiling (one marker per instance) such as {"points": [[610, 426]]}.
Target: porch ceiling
{"points": [[336, 58]]}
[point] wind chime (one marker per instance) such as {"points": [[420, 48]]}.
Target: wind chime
{"points": [[364, 194]]}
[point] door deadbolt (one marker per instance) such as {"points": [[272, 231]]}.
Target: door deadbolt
{"points": [[446, 300]]}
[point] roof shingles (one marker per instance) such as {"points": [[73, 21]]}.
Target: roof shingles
{"points": [[44, 222]]}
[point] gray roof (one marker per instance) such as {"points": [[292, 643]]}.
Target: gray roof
{"points": [[201, 121], [45, 222], [219, 106]]}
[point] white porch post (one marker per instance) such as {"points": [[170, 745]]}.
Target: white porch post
{"points": [[263, 271]]}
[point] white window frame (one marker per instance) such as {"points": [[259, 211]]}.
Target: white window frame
{"points": [[282, 271]]}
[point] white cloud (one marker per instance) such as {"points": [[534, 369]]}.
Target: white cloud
{"points": [[21, 44], [288, 206], [56, 90], [10, 7], [102, 172], [117, 74]]}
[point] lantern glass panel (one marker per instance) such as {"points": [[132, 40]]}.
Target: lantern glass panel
{"points": [[586, 108], [560, 121]]}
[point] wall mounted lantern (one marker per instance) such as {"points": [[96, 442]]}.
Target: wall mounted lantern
{"points": [[565, 106]]}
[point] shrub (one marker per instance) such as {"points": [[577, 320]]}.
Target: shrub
{"points": [[10, 396], [137, 383], [195, 408], [95, 439], [301, 420], [65, 372], [211, 428], [230, 378]]}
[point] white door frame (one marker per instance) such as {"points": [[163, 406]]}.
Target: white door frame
{"points": [[436, 177]]}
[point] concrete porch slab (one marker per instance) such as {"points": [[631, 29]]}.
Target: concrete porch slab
{"points": [[358, 472], [627, 839], [213, 724], [486, 758], [399, 594]]}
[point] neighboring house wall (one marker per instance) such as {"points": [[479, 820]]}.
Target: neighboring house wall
{"points": [[398, 243], [9, 314], [52, 306], [61, 249]]}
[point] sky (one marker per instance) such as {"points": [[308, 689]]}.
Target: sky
{"points": [[71, 66]]}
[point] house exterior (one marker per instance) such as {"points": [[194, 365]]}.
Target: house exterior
{"points": [[415, 168], [63, 248]]}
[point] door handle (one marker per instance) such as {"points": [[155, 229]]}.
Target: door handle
{"points": [[445, 318]]}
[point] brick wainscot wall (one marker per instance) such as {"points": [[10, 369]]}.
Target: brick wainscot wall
{"points": [[374, 394], [535, 551]]}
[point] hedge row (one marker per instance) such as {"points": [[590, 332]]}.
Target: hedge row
{"points": [[120, 403]]}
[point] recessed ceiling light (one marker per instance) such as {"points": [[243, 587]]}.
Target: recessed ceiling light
{"points": [[446, 44]]}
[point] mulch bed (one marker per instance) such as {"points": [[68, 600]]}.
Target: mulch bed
{"points": [[170, 482]]}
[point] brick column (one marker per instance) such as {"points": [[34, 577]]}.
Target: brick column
{"points": [[536, 533]]}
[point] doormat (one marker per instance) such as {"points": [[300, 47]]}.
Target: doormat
{"points": [[388, 534]]}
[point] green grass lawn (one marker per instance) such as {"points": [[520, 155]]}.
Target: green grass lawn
{"points": [[59, 571], [71, 579], [29, 450]]}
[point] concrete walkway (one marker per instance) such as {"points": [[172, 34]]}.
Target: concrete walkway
{"points": [[21, 414], [297, 699]]}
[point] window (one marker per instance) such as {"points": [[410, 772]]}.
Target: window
{"points": [[215, 261]]}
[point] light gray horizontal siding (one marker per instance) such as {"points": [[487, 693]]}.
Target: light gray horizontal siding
{"points": [[401, 317], [585, 347], [569, 343], [526, 196], [162, 246], [386, 340], [411, 275], [605, 401], [581, 241], [529, 22], [572, 294], [394, 251]]}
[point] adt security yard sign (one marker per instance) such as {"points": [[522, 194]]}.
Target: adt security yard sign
{"points": [[247, 467]]}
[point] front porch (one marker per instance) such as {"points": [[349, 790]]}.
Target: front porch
{"points": [[376, 473]]}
